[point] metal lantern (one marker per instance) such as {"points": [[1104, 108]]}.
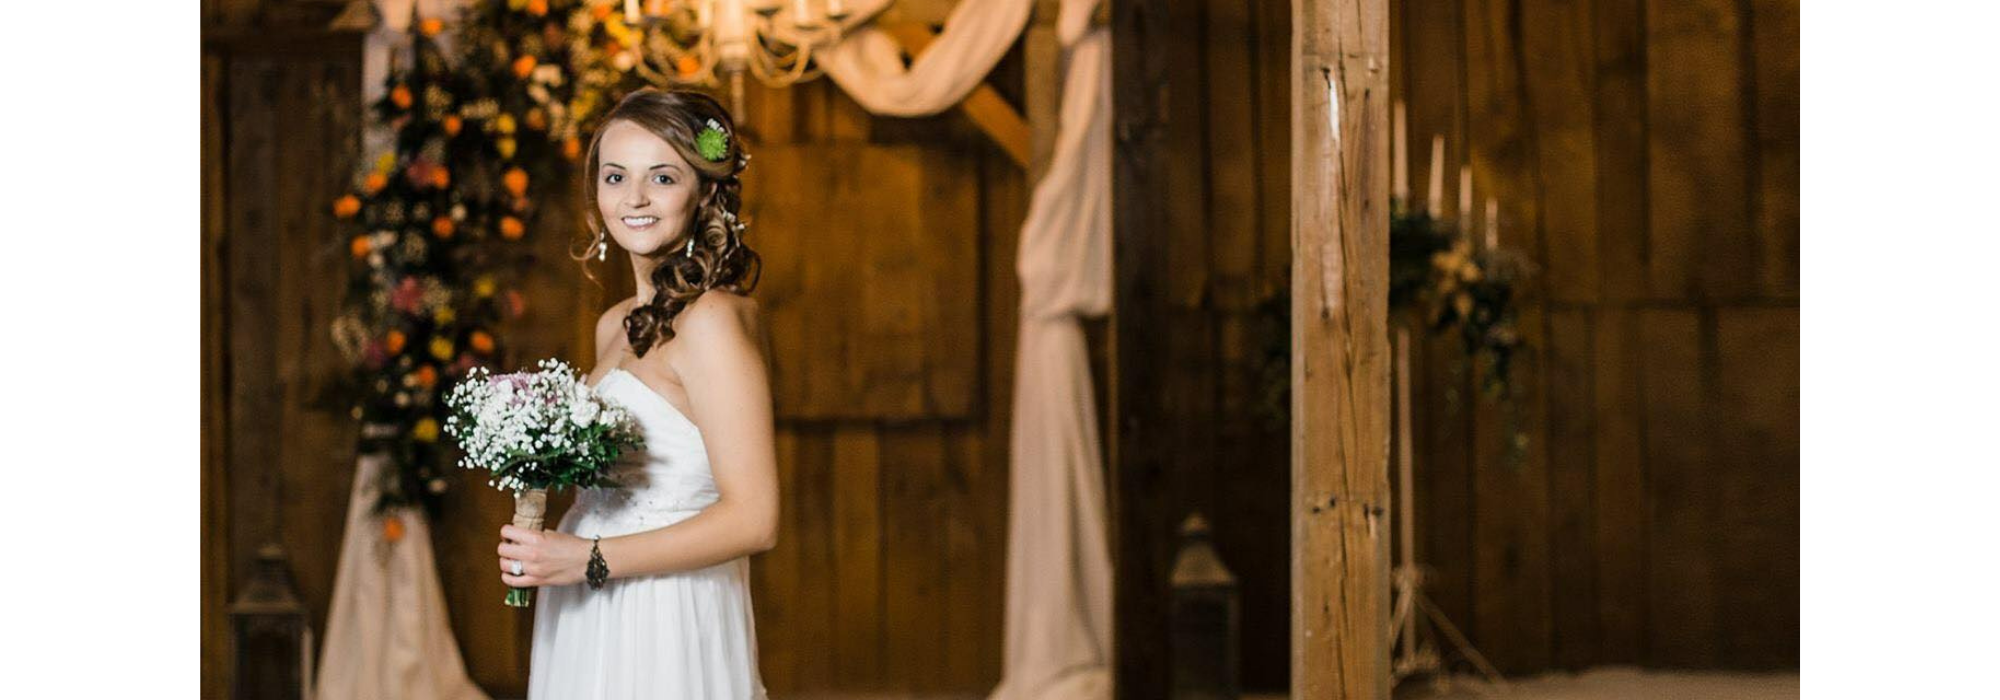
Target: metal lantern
{"points": [[273, 642], [1204, 619]]}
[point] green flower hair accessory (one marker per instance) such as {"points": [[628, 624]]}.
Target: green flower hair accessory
{"points": [[712, 143]]}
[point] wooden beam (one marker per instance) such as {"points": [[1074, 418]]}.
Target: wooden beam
{"points": [[1146, 419], [985, 107], [1340, 377]]}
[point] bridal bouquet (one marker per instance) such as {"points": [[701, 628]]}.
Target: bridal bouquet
{"points": [[536, 432]]}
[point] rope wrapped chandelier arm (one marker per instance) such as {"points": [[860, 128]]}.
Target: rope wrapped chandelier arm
{"points": [[714, 43]]}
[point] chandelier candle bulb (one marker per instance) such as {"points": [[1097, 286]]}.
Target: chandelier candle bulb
{"points": [[732, 45], [1436, 198], [1401, 145], [1464, 195], [1492, 224]]}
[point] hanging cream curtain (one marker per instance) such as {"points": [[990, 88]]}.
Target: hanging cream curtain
{"points": [[1058, 634], [1058, 644], [387, 634]]}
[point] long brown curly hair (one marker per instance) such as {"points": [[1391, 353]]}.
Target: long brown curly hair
{"points": [[719, 258]]}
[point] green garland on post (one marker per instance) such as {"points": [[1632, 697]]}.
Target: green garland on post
{"points": [[1448, 286], [1445, 286]]}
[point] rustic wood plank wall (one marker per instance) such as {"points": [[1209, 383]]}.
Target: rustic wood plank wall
{"points": [[889, 574], [1645, 155], [1202, 207]]}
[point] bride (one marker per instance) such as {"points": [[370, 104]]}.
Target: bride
{"points": [[645, 586]]}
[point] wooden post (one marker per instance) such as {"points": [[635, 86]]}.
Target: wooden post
{"points": [[1340, 358]]}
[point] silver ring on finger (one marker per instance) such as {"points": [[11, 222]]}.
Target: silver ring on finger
{"points": [[517, 567]]}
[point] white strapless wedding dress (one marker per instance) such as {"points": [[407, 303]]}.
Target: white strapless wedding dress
{"points": [[682, 636]]}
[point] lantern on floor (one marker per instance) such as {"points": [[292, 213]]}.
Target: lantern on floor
{"points": [[1203, 620], [273, 641]]}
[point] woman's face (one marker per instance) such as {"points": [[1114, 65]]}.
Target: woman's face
{"points": [[645, 190]]}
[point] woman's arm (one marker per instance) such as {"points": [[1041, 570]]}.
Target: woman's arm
{"points": [[721, 364]]}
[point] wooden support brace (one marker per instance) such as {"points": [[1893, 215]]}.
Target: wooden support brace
{"points": [[984, 106]]}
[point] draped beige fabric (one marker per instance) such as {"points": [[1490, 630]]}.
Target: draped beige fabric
{"points": [[1058, 637], [387, 634], [868, 63]]}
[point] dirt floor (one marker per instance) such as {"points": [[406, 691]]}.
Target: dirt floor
{"points": [[1609, 683], [1616, 683]]}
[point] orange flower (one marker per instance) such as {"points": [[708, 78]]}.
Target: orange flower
{"points": [[523, 66], [360, 247], [401, 96], [511, 228], [482, 343], [392, 528], [538, 7], [516, 181], [375, 182], [395, 342], [452, 124], [347, 206], [687, 65], [443, 227], [427, 376], [441, 177], [431, 26], [600, 11], [535, 120], [572, 148]]}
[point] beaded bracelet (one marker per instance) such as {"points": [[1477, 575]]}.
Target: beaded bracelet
{"points": [[597, 572]]}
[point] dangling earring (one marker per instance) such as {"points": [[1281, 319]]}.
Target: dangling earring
{"points": [[602, 246], [690, 250]]}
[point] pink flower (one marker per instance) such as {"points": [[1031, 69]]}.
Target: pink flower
{"points": [[407, 296]]}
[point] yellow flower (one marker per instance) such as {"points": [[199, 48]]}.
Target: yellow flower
{"points": [[1462, 304], [441, 348], [504, 123], [445, 315], [485, 286], [615, 27], [505, 146], [385, 163], [426, 430]]}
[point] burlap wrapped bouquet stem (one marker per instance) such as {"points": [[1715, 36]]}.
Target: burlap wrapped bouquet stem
{"points": [[530, 505]]}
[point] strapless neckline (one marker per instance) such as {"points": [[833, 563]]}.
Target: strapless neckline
{"points": [[641, 386]]}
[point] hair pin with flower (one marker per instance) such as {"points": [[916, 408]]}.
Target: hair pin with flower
{"points": [[712, 143]]}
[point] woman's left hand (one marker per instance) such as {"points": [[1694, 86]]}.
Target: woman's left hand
{"points": [[547, 557]]}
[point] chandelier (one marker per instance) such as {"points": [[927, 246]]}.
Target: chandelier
{"points": [[713, 42]]}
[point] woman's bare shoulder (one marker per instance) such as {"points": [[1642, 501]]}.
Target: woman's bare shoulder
{"points": [[718, 321], [612, 324], [718, 310]]}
